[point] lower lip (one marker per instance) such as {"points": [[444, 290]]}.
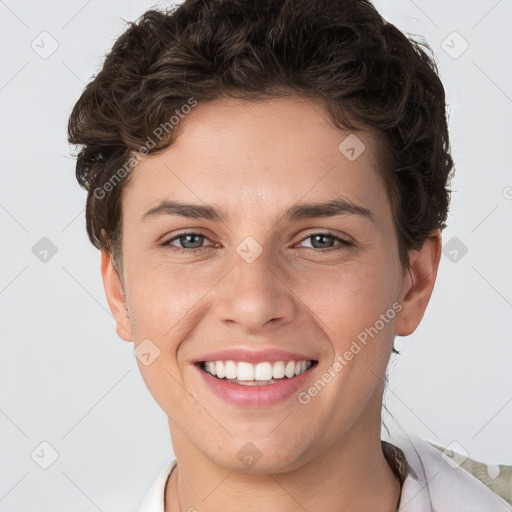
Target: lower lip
{"points": [[258, 395]]}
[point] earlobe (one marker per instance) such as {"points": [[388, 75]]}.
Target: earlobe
{"points": [[418, 284], [115, 297]]}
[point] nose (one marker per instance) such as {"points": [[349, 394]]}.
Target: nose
{"points": [[255, 295]]}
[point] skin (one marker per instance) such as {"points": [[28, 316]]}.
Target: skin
{"points": [[267, 156]]}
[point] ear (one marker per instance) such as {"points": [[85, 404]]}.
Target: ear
{"points": [[115, 297], [418, 284]]}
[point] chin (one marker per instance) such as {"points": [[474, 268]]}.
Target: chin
{"points": [[260, 456]]}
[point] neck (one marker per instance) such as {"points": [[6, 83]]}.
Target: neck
{"points": [[353, 475]]}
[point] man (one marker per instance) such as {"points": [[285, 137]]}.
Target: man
{"points": [[267, 183]]}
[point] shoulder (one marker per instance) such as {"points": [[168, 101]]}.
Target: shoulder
{"points": [[437, 478], [498, 478]]}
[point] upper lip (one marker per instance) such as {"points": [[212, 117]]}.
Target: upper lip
{"points": [[253, 356]]}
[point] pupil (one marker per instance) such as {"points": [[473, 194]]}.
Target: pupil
{"points": [[316, 237], [188, 241]]}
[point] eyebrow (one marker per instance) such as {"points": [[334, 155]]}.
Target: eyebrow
{"points": [[294, 213]]}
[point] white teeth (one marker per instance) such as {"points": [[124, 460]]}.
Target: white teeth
{"points": [[220, 369], [290, 369], [278, 370], [263, 371], [254, 374], [245, 371], [231, 370]]}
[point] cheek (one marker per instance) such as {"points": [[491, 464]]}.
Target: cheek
{"points": [[163, 307], [352, 297], [164, 300]]}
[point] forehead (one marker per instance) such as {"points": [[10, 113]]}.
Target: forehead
{"points": [[244, 155]]}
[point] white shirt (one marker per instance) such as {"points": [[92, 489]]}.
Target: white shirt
{"points": [[431, 485]]}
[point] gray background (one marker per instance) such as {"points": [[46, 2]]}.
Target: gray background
{"points": [[65, 377]]}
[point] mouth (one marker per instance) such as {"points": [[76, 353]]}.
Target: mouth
{"points": [[265, 373], [262, 384]]}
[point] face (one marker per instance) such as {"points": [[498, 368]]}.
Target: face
{"points": [[251, 273]]}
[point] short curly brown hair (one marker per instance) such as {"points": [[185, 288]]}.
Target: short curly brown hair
{"points": [[342, 52]]}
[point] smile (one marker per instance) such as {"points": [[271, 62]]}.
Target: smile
{"points": [[248, 374], [259, 384]]}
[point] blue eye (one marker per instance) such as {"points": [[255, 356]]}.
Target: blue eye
{"points": [[320, 238], [192, 242], [186, 239]]}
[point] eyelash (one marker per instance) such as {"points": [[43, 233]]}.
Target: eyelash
{"points": [[343, 243]]}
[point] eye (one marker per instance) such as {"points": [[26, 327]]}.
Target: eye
{"points": [[190, 242], [323, 241]]}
